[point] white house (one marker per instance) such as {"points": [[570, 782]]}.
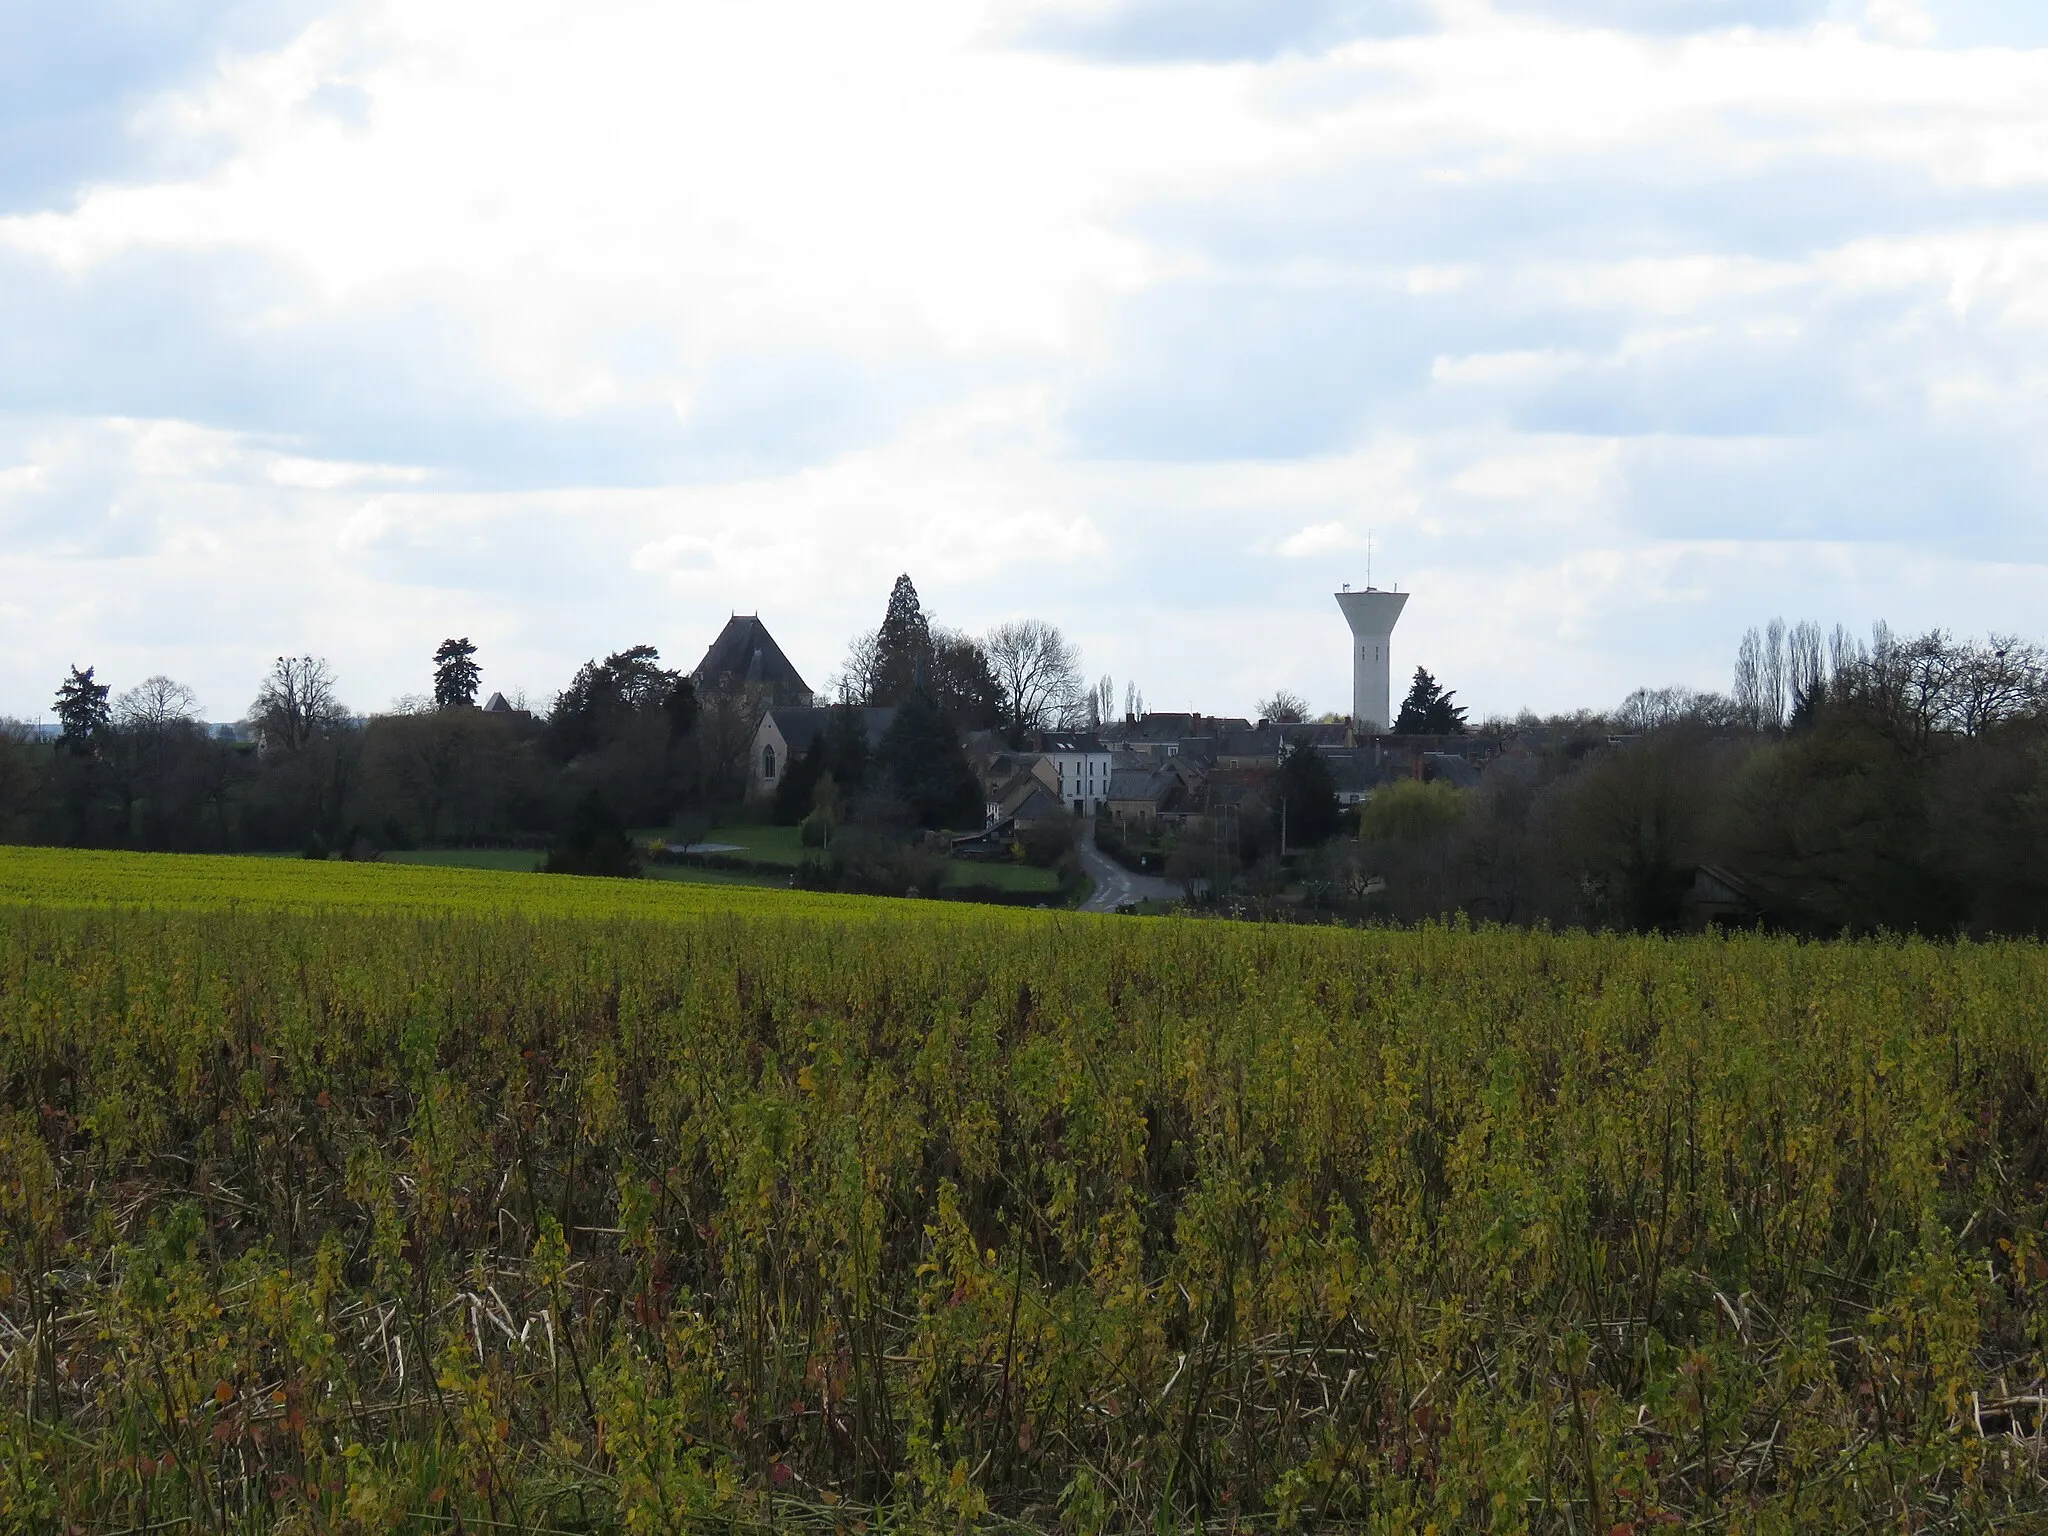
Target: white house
{"points": [[1081, 766]]}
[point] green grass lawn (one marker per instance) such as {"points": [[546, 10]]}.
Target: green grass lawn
{"points": [[1004, 877], [769, 844]]}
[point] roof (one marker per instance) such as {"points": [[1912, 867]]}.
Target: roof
{"points": [[1040, 806], [745, 652], [800, 727], [1353, 772], [497, 705], [1071, 741], [1171, 727]]}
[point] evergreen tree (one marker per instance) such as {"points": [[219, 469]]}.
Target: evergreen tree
{"points": [[82, 711], [928, 767], [903, 647], [1428, 710], [1309, 794], [455, 675], [793, 791], [593, 843], [605, 697], [846, 748]]}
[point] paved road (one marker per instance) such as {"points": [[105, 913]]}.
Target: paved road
{"points": [[1115, 885]]}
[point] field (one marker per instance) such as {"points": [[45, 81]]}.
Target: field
{"points": [[368, 1197]]}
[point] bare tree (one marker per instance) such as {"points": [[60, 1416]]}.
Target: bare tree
{"points": [[1039, 673], [296, 704], [154, 705], [1749, 680], [860, 674], [1806, 673], [1772, 676], [1101, 702], [1998, 681], [1284, 707]]}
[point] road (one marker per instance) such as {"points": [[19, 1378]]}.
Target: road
{"points": [[1115, 885]]}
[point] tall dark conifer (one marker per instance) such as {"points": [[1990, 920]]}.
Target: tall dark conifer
{"points": [[903, 646], [1429, 710]]}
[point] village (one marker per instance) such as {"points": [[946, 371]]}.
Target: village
{"points": [[1158, 793]]}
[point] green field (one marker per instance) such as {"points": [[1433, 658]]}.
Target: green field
{"points": [[382, 1197], [523, 860]]}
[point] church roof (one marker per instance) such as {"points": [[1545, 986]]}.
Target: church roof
{"points": [[745, 652]]}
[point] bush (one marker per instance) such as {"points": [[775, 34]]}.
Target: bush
{"points": [[1047, 843], [873, 863], [593, 843]]}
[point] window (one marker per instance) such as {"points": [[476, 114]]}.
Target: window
{"points": [[767, 762]]}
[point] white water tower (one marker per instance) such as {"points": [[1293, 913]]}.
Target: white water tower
{"points": [[1371, 615]]}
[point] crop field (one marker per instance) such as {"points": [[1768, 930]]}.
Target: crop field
{"points": [[369, 1198]]}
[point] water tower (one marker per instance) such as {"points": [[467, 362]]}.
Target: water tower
{"points": [[1371, 615]]}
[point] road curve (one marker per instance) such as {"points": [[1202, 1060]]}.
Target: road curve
{"points": [[1116, 886]]}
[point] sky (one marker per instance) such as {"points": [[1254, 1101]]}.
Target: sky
{"points": [[1613, 327]]}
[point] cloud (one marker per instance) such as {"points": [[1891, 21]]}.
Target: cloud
{"points": [[568, 327], [75, 76], [1162, 31], [1319, 539]]}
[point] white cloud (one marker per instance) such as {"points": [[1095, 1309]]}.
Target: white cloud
{"points": [[570, 325], [1320, 539]]}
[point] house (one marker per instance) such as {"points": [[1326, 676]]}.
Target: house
{"points": [[1355, 774], [1081, 762], [1020, 778], [1146, 795], [1720, 899], [745, 655], [1034, 806], [784, 735], [498, 707], [1264, 745], [1161, 735]]}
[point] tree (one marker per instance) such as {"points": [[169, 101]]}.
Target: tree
{"points": [[1308, 797], [456, 675], [963, 682], [903, 646], [799, 781], [1285, 707], [82, 711], [859, 675], [1039, 674], [1428, 710], [605, 698], [593, 843], [154, 705], [296, 704], [927, 766]]}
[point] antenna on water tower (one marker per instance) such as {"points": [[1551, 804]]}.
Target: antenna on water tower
{"points": [[1368, 559]]}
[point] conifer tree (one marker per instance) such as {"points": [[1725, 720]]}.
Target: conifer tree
{"points": [[1429, 709], [456, 676]]}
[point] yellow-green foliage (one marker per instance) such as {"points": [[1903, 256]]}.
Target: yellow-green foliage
{"points": [[720, 1208], [1410, 811]]}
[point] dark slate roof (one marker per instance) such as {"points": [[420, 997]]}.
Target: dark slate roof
{"points": [[800, 727], [497, 705], [745, 652], [1138, 784], [1039, 806], [1071, 741], [1354, 772], [1171, 727]]}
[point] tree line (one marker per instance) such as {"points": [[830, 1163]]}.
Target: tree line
{"points": [[628, 742], [1897, 784]]}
